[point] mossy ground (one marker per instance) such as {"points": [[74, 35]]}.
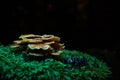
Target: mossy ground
{"points": [[71, 64]]}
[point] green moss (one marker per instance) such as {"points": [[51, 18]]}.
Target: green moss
{"points": [[13, 66]]}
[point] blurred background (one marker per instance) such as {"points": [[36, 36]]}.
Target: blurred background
{"points": [[84, 25], [80, 23]]}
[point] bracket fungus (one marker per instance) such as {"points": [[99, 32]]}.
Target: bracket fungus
{"points": [[39, 45]]}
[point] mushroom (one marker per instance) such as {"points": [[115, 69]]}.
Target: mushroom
{"points": [[39, 45]]}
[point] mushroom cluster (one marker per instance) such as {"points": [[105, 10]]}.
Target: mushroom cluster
{"points": [[39, 45]]}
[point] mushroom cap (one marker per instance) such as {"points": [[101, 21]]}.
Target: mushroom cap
{"points": [[49, 43], [15, 46], [56, 53], [50, 38], [35, 40], [38, 46], [58, 46], [28, 36], [17, 41]]}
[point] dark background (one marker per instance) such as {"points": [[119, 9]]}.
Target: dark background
{"points": [[81, 24], [84, 25]]}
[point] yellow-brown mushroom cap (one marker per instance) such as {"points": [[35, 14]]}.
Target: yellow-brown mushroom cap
{"points": [[38, 46], [29, 36]]}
